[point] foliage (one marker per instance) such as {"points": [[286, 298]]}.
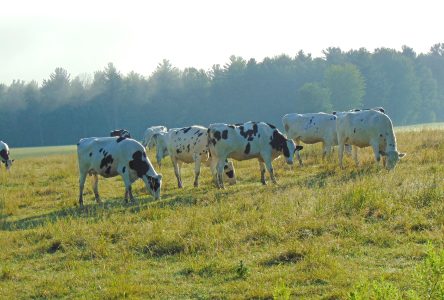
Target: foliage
{"points": [[65, 108]]}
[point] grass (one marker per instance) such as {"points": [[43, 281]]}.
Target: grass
{"points": [[321, 233]]}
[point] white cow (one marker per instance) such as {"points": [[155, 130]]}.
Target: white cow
{"points": [[312, 128], [149, 132], [112, 156], [4, 155], [246, 141], [187, 145], [368, 128]]}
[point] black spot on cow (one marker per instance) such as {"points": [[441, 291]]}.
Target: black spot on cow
{"points": [[213, 141], [362, 120], [200, 134], [90, 154], [279, 143], [230, 174], [225, 134], [178, 151], [154, 183], [137, 164], [120, 133], [121, 138], [333, 113], [107, 160], [247, 148], [311, 120], [217, 135], [108, 170], [4, 155], [100, 150], [231, 126], [381, 135], [185, 130], [250, 133], [123, 169], [271, 126], [354, 130], [188, 148]]}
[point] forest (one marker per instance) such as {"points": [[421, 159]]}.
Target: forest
{"points": [[62, 109]]}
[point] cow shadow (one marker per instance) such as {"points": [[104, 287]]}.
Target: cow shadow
{"points": [[91, 210]]}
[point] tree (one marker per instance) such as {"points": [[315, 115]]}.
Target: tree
{"points": [[312, 97], [346, 85]]}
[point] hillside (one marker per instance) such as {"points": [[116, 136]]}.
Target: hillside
{"points": [[321, 233]]}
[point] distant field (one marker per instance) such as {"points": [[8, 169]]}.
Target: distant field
{"points": [[24, 152], [422, 126], [321, 233]]}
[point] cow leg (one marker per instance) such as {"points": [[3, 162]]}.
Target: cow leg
{"points": [[197, 162], [177, 171], [355, 155], [266, 157], [375, 147], [82, 179], [327, 150], [341, 154], [298, 155], [220, 173], [95, 180], [128, 189], [384, 161], [262, 168]]}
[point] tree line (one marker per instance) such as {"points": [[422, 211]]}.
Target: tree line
{"points": [[62, 109]]}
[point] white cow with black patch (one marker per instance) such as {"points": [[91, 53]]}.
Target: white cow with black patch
{"points": [[188, 145], [112, 156], [368, 128], [246, 141], [4, 155], [312, 128], [148, 135]]}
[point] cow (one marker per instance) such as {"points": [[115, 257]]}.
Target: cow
{"points": [[120, 133], [378, 108], [112, 156], [149, 132], [4, 155], [187, 145], [246, 141], [368, 128], [311, 128]]}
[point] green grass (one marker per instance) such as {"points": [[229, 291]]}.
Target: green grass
{"points": [[321, 233]]}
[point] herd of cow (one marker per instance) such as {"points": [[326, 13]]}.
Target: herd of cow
{"points": [[121, 155]]}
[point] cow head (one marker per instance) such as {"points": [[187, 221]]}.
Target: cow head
{"points": [[4, 156], [230, 174], [161, 147], [280, 143], [153, 184], [392, 158]]}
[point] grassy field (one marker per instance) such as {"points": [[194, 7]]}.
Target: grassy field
{"points": [[321, 233]]}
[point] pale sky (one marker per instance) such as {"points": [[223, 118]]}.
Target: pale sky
{"points": [[83, 36]]}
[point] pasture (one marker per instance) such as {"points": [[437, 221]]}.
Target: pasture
{"points": [[321, 233]]}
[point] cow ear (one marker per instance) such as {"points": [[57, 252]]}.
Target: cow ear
{"points": [[14, 159], [382, 153], [299, 148], [401, 155]]}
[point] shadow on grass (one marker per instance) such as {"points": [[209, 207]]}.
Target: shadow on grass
{"points": [[92, 210]]}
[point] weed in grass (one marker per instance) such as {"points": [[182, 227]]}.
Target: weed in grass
{"points": [[281, 291], [242, 270]]}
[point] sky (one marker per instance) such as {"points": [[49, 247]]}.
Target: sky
{"points": [[83, 36]]}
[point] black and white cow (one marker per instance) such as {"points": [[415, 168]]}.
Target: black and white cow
{"points": [[188, 145], [246, 141], [148, 135], [120, 133], [312, 128], [112, 156], [4, 155], [368, 128]]}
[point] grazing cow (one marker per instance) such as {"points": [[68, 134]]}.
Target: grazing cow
{"points": [[4, 155], [149, 132], [368, 128], [312, 128], [246, 141], [120, 133], [112, 156], [187, 145]]}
